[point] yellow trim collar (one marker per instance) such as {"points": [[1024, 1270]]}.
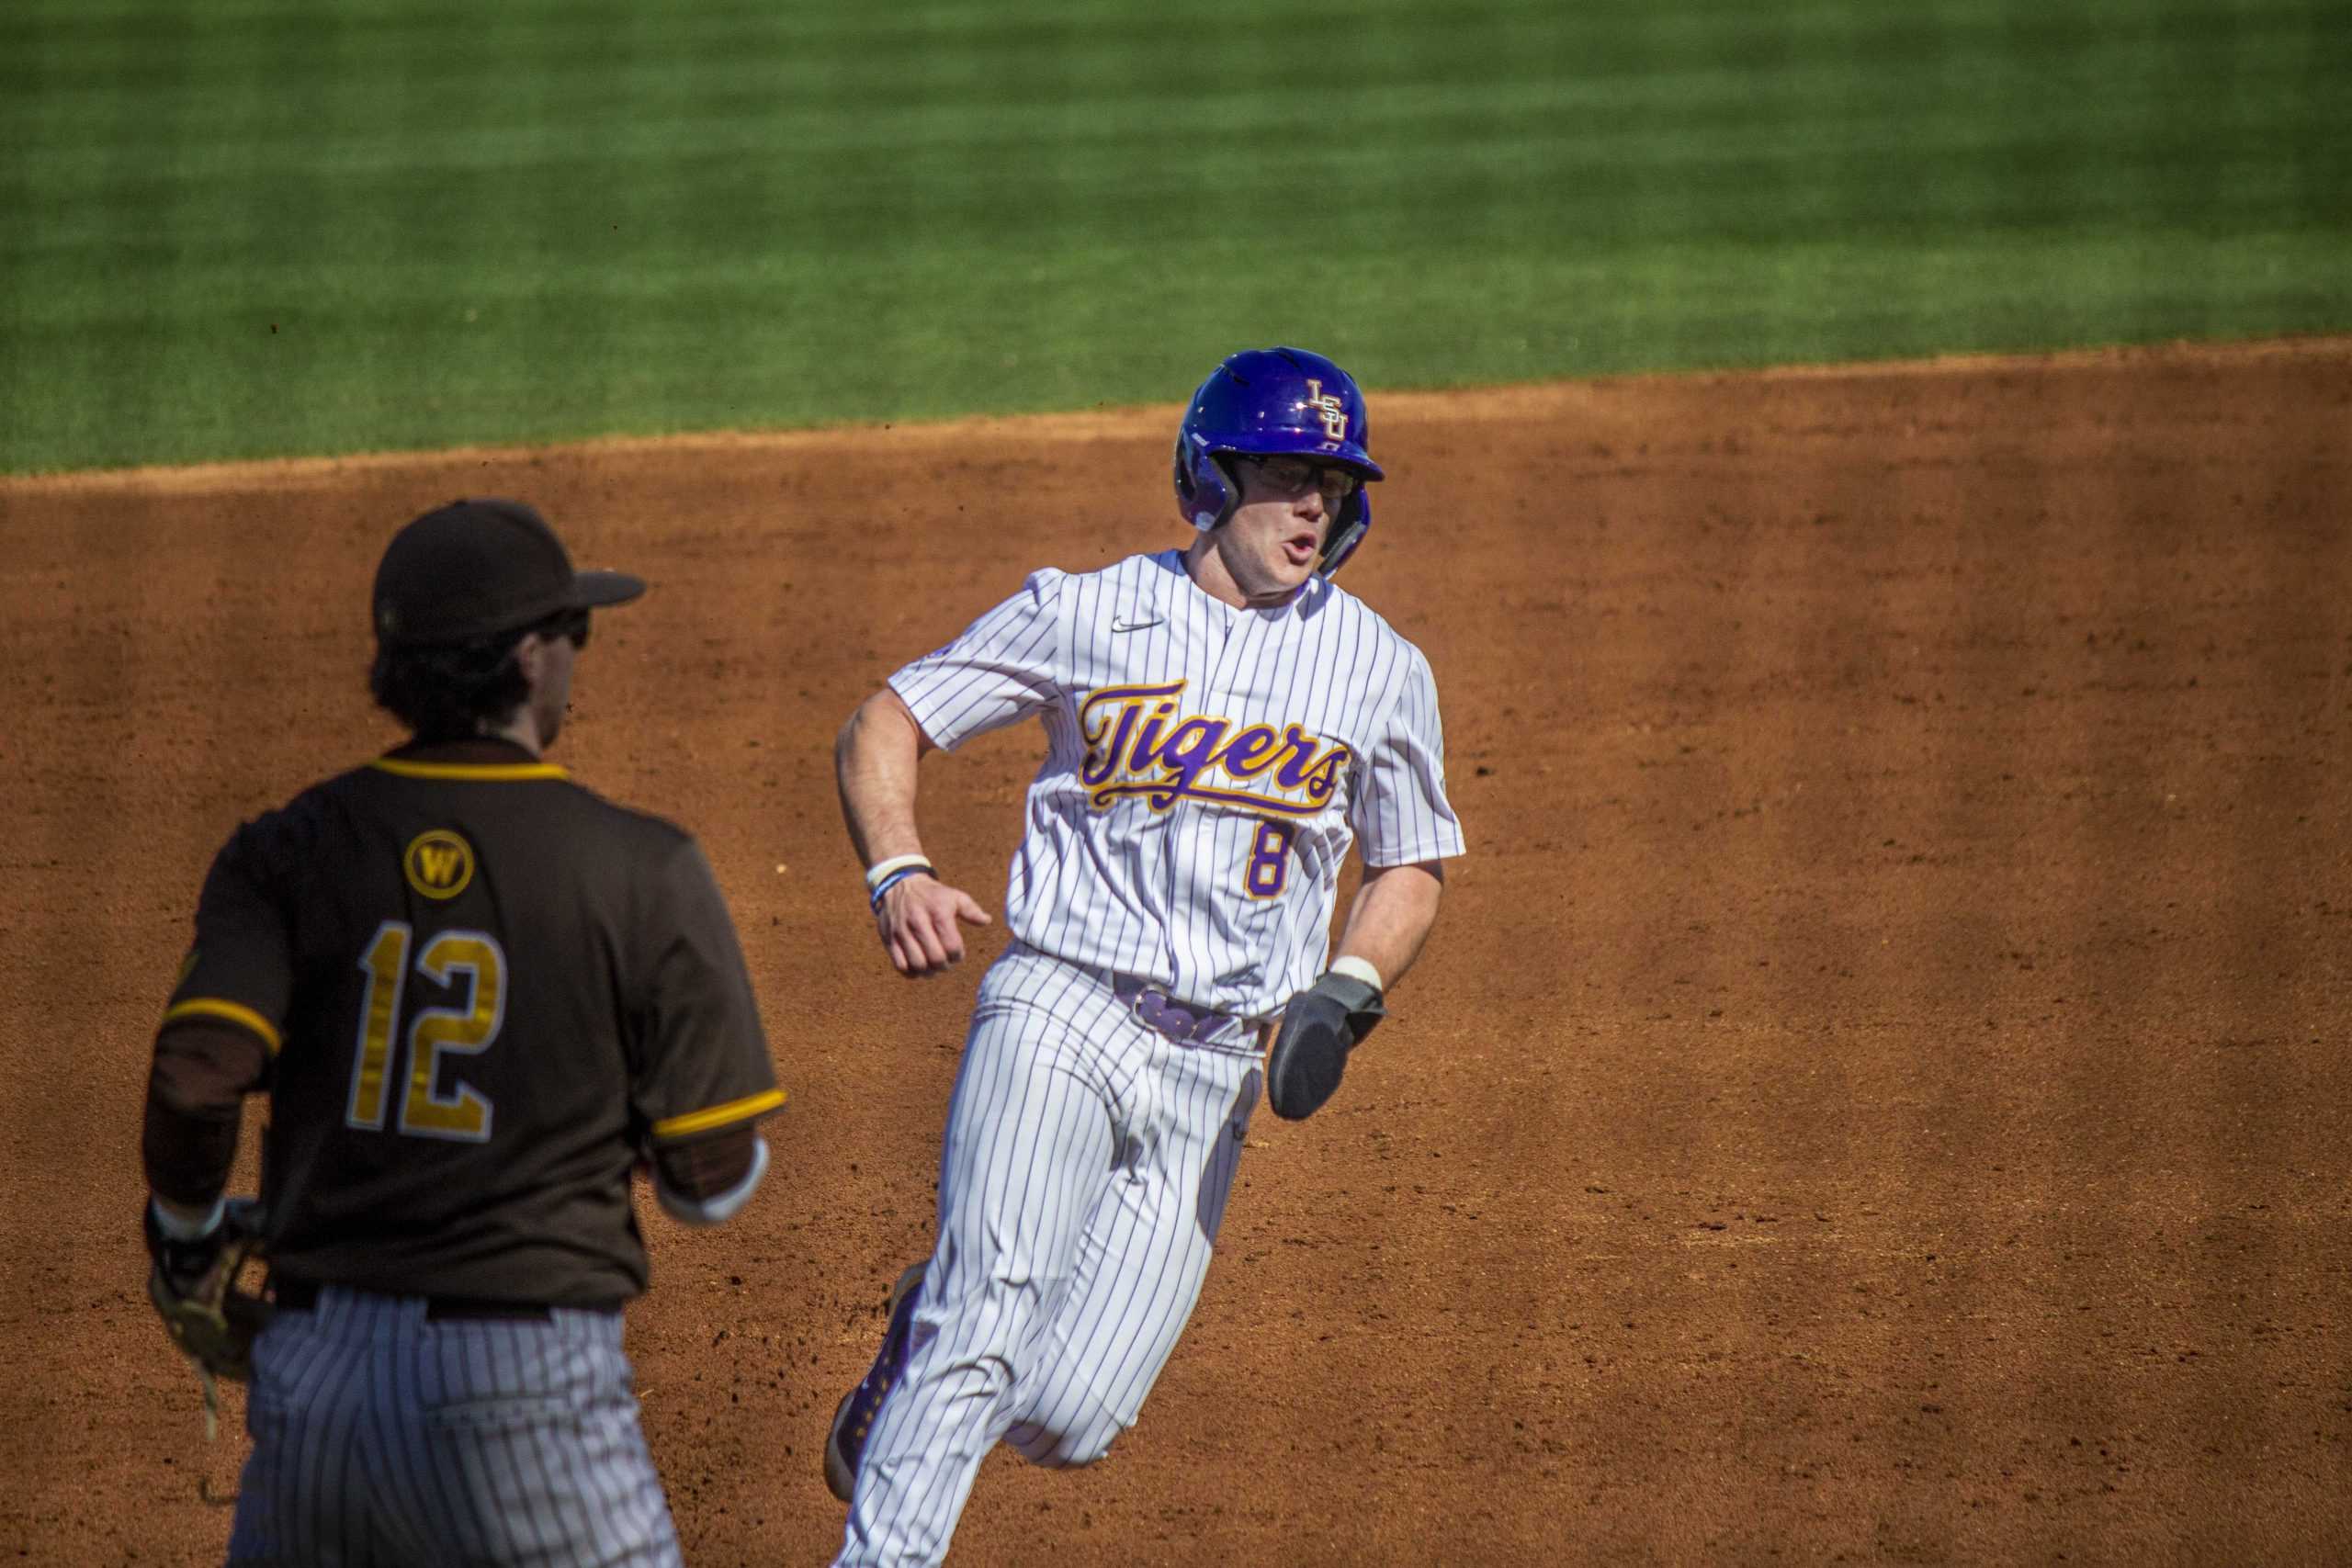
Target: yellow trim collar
{"points": [[703, 1120], [481, 773], [234, 1012]]}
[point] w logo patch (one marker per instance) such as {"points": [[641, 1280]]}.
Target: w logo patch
{"points": [[439, 863]]}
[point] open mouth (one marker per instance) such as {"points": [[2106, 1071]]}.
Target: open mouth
{"points": [[1300, 548]]}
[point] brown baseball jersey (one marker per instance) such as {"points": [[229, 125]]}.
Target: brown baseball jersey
{"points": [[487, 993]]}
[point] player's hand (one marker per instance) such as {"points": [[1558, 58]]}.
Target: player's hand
{"points": [[1321, 1025], [184, 1260], [921, 923]]}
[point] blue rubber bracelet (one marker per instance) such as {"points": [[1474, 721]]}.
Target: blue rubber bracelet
{"points": [[892, 880]]}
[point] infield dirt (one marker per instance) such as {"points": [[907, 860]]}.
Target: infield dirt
{"points": [[1877, 1091]]}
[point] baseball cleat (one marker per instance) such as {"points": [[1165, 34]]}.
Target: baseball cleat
{"points": [[853, 1419]]}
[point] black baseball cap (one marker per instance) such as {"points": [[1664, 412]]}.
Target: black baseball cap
{"points": [[475, 568]]}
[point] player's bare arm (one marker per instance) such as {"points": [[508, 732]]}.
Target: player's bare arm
{"points": [[918, 917], [1391, 917]]}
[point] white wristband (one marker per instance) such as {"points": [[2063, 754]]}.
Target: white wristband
{"points": [[178, 1229], [876, 875], [1355, 968]]}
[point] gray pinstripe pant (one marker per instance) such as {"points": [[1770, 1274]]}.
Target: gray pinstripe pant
{"points": [[1085, 1171], [381, 1439]]}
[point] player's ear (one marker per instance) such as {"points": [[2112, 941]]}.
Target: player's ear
{"points": [[531, 657]]}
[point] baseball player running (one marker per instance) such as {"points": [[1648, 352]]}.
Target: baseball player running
{"points": [[1221, 723], [477, 995]]}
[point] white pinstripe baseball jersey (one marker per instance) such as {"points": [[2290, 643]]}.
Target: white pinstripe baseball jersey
{"points": [[1207, 767]]}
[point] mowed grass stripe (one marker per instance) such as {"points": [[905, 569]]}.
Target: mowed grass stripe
{"points": [[253, 230]]}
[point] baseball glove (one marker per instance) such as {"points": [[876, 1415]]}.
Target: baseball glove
{"points": [[1321, 1025], [196, 1290]]}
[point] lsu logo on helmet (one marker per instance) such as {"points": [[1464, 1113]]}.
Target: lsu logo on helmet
{"points": [[1334, 412]]}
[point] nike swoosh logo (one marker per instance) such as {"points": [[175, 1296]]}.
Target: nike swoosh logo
{"points": [[1120, 624]]}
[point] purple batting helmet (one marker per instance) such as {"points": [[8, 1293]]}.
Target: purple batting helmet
{"points": [[1267, 402]]}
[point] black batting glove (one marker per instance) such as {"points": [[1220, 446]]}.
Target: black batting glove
{"points": [[1321, 1025]]}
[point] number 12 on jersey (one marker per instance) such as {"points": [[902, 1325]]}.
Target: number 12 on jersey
{"points": [[463, 1113]]}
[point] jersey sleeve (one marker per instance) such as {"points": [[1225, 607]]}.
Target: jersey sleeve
{"points": [[1401, 814], [1001, 670], [703, 1063], [241, 970]]}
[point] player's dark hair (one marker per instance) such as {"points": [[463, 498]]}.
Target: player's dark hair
{"points": [[451, 694]]}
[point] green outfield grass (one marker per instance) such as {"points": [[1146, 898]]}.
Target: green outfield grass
{"points": [[239, 228]]}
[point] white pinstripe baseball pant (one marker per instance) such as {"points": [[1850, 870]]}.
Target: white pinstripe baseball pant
{"points": [[381, 1439], [1084, 1172]]}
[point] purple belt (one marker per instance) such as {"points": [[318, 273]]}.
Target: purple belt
{"points": [[1184, 1024]]}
